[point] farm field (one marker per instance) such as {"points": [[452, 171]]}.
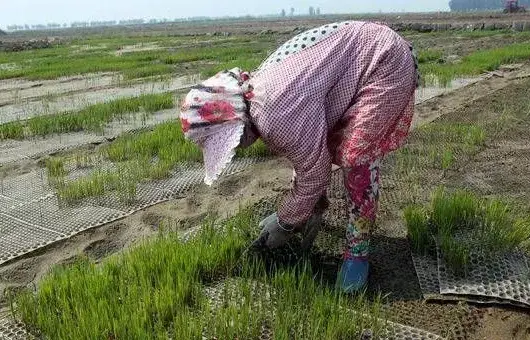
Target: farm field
{"points": [[106, 230]]}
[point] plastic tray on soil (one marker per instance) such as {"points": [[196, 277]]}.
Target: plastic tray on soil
{"points": [[503, 278], [66, 220], [427, 271], [11, 330], [30, 200], [27, 187], [146, 196], [18, 237]]}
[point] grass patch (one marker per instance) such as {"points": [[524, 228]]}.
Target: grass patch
{"points": [[464, 223], [91, 118], [158, 290]]}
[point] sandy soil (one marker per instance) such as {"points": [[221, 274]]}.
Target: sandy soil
{"points": [[501, 324]]}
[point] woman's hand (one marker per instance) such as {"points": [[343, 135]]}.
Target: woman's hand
{"points": [[275, 234]]}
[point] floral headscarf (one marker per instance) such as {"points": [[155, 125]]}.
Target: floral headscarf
{"points": [[213, 116]]}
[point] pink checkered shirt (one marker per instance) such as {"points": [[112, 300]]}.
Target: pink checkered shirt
{"points": [[347, 100]]}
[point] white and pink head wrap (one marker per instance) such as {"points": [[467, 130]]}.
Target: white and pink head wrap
{"points": [[213, 116]]}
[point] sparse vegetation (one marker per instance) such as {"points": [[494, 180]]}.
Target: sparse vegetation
{"points": [[55, 167], [439, 145]]}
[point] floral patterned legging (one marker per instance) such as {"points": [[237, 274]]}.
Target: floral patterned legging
{"points": [[362, 187]]}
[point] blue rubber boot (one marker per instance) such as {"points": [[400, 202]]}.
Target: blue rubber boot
{"points": [[353, 275]]}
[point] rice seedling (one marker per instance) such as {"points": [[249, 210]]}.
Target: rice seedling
{"points": [[91, 118], [463, 224], [158, 290], [307, 310], [456, 211], [451, 133], [439, 145], [245, 63], [82, 160], [68, 60], [447, 160], [477, 62], [55, 167], [417, 222], [91, 186], [12, 130], [147, 71], [455, 253], [503, 230], [150, 155], [429, 55], [258, 149]]}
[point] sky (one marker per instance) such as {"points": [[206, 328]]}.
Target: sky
{"points": [[66, 11]]}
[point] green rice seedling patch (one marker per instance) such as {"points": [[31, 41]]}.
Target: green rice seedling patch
{"points": [[12, 130], [140, 157], [463, 223], [429, 55], [145, 71], [55, 167], [158, 289], [68, 59], [476, 63], [418, 228], [91, 118]]}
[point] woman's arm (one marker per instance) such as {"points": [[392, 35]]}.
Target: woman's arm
{"points": [[299, 133]]}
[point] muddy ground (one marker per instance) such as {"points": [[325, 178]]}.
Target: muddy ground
{"points": [[500, 168]]}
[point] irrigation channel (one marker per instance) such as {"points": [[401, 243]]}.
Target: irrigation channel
{"points": [[32, 217]]}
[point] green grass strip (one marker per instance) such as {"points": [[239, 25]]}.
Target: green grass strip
{"points": [[157, 291], [91, 118]]}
